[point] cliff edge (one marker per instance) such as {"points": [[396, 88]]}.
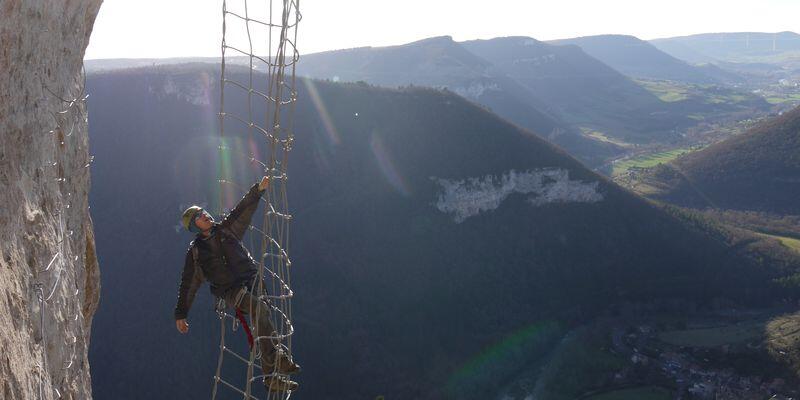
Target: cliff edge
{"points": [[49, 278]]}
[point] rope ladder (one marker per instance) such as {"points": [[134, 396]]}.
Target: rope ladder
{"points": [[261, 35]]}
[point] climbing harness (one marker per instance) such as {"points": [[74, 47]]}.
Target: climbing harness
{"points": [[240, 317]]}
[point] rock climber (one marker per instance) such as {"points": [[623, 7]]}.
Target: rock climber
{"points": [[218, 255]]}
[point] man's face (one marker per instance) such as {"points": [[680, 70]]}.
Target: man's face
{"points": [[204, 221]]}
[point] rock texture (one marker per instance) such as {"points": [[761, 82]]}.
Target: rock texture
{"points": [[49, 279], [470, 197]]}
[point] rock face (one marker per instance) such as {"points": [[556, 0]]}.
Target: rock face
{"points": [[49, 279]]}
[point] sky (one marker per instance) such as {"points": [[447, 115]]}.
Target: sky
{"points": [[189, 28]]}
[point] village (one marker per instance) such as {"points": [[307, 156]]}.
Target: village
{"points": [[703, 371]]}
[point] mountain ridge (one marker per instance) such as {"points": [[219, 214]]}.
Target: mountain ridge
{"points": [[736, 47], [587, 91], [441, 62], [638, 58]]}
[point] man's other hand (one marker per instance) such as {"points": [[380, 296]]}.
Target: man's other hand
{"points": [[264, 183], [182, 325]]}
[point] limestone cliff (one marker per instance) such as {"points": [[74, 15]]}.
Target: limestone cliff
{"points": [[49, 279]]}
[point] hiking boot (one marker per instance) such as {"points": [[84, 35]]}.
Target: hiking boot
{"points": [[278, 383], [285, 364]]}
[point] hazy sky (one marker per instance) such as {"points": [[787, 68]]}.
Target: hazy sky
{"points": [[182, 28]]}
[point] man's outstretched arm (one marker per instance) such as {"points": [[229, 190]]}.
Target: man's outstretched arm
{"points": [[191, 280], [241, 215]]}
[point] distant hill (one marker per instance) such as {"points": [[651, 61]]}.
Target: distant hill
{"points": [[737, 47], [638, 58], [585, 90], [110, 64], [441, 62], [758, 170], [436, 62], [437, 249]]}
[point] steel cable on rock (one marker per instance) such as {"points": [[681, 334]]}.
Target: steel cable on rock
{"points": [[73, 112]]}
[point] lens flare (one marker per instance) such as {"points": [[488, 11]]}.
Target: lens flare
{"points": [[254, 153], [205, 91], [387, 167], [506, 357], [330, 129], [224, 172]]}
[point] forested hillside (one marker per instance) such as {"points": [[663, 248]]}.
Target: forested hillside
{"points": [[585, 90], [426, 233], [441, 62], [758, 170]]}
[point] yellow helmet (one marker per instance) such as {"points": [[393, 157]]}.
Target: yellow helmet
{"points": [[188, 216]]}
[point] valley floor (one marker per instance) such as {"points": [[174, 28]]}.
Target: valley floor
{"points": [[634, 160], [727, 354]]}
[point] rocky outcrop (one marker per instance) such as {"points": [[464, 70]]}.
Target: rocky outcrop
{"points": [[470, 197], [49, 278]]}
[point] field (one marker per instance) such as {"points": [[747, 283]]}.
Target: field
{"points": [[672, 92], [716, 336], [666, 91], [599, 136], [783, 337], [791, 243], [778, 99], [650, 160], [640, 393]]}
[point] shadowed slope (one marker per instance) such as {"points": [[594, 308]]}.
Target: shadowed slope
{"points": [[437, 249], [442, 63], [758, 170], [585, 90]]}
